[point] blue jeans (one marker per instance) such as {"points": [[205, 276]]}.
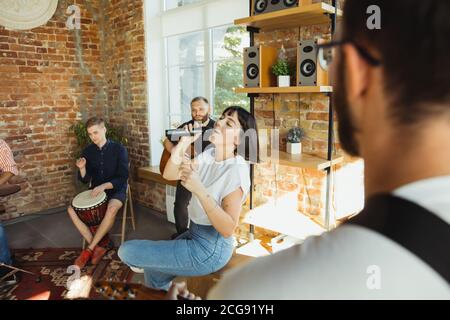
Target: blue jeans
{"points": [[5, 256], [199, 251]]}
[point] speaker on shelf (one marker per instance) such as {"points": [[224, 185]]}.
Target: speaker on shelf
{"points": [[258, 62], [309, 71], [265, 6]]}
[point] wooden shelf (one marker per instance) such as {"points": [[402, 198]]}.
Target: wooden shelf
{"points": [[300, 16], [284, 220], [304, 160], [312, 89], [254, 249], [153, 174]]}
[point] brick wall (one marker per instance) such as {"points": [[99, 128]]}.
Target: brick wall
{"points": [[122, 46], [41, 83], [53, 77]]}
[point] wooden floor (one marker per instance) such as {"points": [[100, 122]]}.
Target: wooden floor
{"points": [[57, 231]]}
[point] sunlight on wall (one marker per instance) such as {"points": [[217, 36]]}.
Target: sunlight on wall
{"points": [[349, 189]]}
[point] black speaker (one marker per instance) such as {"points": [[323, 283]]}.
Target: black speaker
{"points": [[309, 71], [258, 62], [260, 6], [266, 6]]}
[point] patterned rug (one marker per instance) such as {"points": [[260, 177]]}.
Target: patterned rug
{"points": [[56, 275]]}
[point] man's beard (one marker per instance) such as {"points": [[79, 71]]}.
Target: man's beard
{"points": [[341, 104], [203, 119]]}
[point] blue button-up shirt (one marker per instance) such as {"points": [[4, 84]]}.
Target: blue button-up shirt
{"points": [[108, 164]]}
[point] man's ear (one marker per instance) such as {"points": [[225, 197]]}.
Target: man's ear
{"points": [[357, 73]]}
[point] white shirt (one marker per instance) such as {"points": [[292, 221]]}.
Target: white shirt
{"points": [[220, 179], [350, 262]]}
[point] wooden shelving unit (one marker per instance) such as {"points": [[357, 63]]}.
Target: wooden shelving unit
{"points": [[288, 222], [286, 90], [305, 161], [316, 13], [285, 218]]}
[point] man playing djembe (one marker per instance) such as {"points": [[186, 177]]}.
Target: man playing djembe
{"points": [[104, 166]]}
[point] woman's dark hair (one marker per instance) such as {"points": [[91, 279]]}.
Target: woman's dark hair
{"points": [[249, 147]]}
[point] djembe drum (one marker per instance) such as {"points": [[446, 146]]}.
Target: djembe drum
{"points": [[91, 210]]}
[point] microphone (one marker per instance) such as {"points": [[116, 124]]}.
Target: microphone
{"points": [[176, 134]]}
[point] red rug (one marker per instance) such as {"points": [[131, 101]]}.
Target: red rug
{"points": [[52, 267]]}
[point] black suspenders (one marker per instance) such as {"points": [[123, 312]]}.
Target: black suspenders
{"points": [[411, 226]]}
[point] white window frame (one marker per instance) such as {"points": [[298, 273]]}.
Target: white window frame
{"points": [[160, 24]]}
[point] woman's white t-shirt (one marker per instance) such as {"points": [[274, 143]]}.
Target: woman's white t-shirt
{"points": [[220, 179]]}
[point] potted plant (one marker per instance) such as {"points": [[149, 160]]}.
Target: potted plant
{"points": [[282, 70], [294, 140]]}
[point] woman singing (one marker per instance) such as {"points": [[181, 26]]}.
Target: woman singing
{"points": [[219, 180]]}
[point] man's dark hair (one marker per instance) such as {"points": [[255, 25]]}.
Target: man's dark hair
{"points": [[94, 121], [200, 99], [413, 45]]}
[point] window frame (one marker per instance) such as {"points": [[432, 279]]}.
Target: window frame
{"points": [[158, 25], [209, 72]]}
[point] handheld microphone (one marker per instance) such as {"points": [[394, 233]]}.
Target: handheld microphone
{"points": [[176, 134]]}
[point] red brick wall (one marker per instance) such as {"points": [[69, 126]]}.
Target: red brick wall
{"points": [[124, 48], [53, 77], [122, 45], [39, 102]]}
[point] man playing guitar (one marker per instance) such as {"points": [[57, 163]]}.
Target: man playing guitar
{"points": [[201, 111]]}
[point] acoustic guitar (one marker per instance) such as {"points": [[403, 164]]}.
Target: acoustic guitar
{"points": [[128, 291], [164, 159], [166, 156]]}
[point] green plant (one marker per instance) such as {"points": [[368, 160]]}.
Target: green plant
{"points": [[281, 68], [83, 140], [296, 135], [229, 72]]}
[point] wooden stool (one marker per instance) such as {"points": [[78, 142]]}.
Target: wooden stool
{"points": [[128, 201]]}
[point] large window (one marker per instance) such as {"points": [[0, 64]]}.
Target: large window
{"points": [[171, 4], [205, 63], [193, 49]]}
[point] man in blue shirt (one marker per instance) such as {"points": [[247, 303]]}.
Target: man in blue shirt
{"points": [[103, 165]]}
